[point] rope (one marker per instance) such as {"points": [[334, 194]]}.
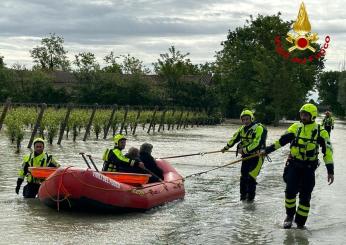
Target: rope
{"points": [[61, 185], [56, 200], [187, 155], [194, 154], [204, 172], [223, 166]]}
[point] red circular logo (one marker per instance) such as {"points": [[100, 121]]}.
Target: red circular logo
{"points": [[302, 42]]}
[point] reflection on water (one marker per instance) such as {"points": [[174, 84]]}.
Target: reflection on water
{"points": [[211, 212], [296, 236]]}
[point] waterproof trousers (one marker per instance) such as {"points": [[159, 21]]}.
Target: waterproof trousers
{"points": [[249, 172], [300, 178], [30, 190]]}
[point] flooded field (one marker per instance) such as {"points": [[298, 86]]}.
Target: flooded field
{"points": [[211, 212]]}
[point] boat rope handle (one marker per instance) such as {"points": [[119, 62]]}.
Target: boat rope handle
{"points": [[60, 187]]}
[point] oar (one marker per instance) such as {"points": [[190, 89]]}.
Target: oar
{"points": [[150, 172], [93, 163], [85, 160], [195, 154]]}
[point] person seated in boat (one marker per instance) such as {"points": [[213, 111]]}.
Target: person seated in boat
{"points": [[38, 158], [115, 161], [150, 163], [133, 154]]}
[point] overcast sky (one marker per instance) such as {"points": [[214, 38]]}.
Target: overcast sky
{"points": [[147, 28]]}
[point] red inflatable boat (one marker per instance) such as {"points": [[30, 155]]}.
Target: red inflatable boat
{"points": [[87, 189]]}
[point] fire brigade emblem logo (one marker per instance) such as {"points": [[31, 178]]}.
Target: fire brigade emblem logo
{"points": [[301, 39], [302, 36]]}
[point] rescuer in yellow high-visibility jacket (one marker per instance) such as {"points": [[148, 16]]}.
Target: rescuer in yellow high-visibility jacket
{"points": [[328, 122], [305, 138], [115, 161], [38, 158], [251, 137]]}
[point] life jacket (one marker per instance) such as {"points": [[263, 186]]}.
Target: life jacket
{"points": [[42, 160], [246, 138], [107, 165], [114, 163], [305, 145]]}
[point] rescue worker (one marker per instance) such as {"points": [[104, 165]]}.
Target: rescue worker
{"points": [[304, 137], [38, 158], [251, 137], [115, 161], [328, 122]]}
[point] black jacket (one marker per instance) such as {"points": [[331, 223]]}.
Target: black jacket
{"points": [[150, 164]]}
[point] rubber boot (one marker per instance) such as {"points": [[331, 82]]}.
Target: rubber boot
{"points": [[302, 227], [288, 222], [300, 221]]}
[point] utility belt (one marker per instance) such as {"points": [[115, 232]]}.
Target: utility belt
{"points": [[302, 163]]}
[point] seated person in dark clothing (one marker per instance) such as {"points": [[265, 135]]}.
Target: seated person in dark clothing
{"points": [[133, 154], [150, 163]]}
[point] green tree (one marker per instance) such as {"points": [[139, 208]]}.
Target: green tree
{"points": [[86, 62], [342, 91], [88, 76], [174, 64], [252, 74], [51, 55], [2, 64], [112, 64], [172, 67], [328, 87], [132, 65], [4, 84]]}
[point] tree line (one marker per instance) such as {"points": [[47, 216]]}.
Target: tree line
{"points": [[247, 73]]}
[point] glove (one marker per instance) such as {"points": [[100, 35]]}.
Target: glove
{"points": [[19, 183], [223, 150]]}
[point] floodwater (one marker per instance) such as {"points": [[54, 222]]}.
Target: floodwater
{"points": [[211, 212]]}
